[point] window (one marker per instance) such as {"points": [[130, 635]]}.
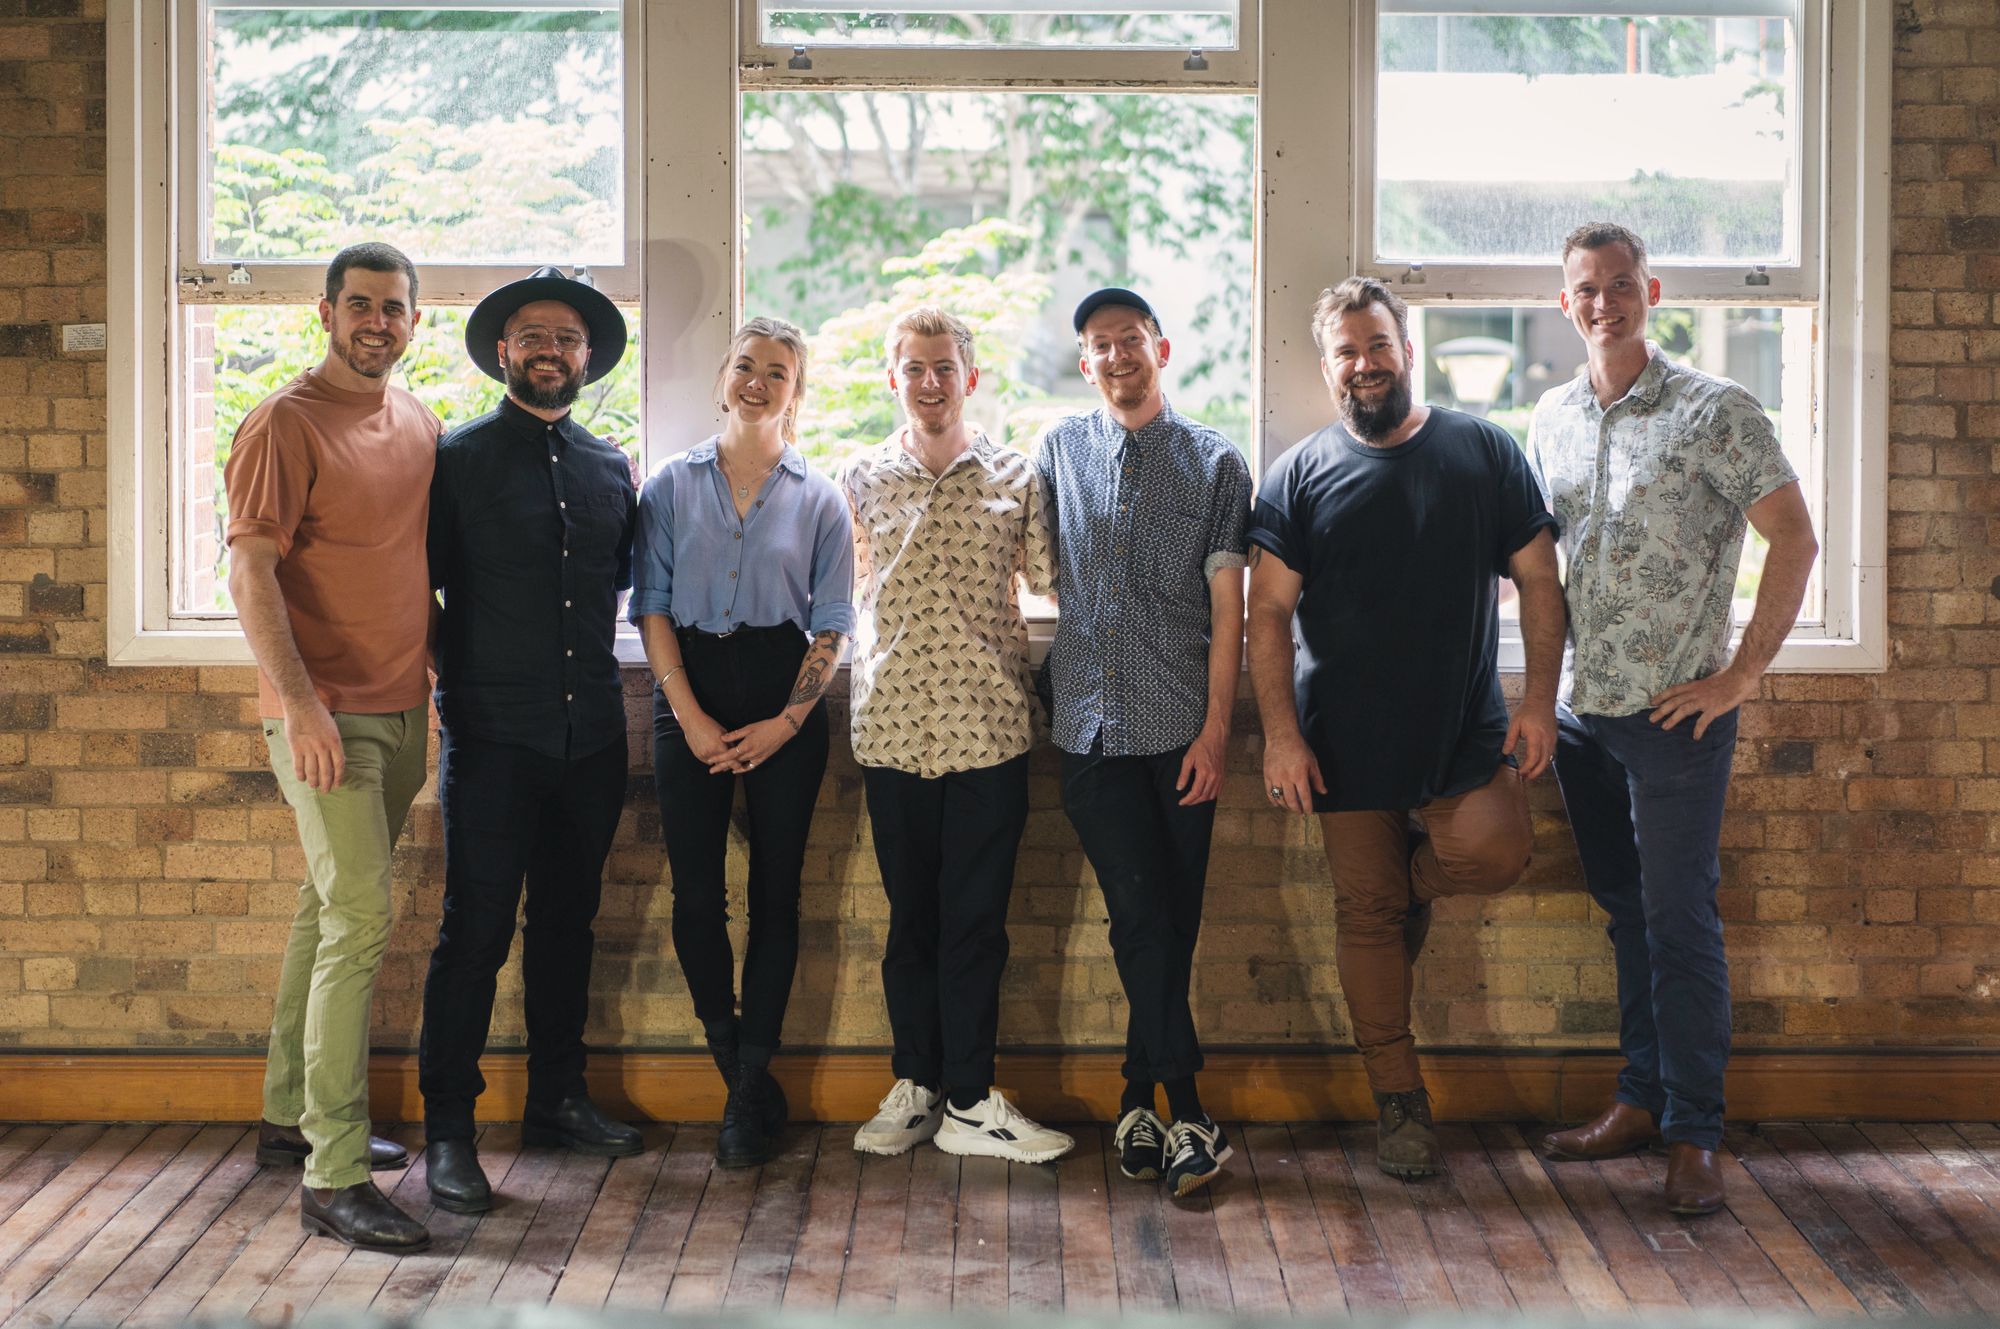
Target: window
{"points": [[1008, 208], [708, 158]]}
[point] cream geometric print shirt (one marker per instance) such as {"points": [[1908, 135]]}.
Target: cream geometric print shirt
{"points": [[1650, 495], [941, 681]]}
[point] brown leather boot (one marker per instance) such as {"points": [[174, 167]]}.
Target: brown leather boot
{"points": [[1619, 1129], [1694, 1180]]}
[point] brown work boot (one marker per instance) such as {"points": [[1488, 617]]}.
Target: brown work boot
{"points": [[1619, 1129], [1694, 1180], [1405, 1144]]}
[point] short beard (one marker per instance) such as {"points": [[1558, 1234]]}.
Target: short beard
{"points": [[1369, 423], [521, 387], [345, 353], [1129, 392]]}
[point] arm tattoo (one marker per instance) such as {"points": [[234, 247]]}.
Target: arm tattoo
{"points": [[817, 671], [1256, 555]]}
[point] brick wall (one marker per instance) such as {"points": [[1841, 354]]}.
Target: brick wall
{"points": [[147, 868]]}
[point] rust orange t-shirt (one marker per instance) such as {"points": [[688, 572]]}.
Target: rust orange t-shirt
{"points": [[341, 481]]}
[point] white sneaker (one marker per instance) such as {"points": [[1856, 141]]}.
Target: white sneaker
{"points": [[905, 1119], [994, 1129]]}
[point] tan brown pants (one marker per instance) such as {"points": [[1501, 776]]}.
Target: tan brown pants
{"points": [[1479, 845]]}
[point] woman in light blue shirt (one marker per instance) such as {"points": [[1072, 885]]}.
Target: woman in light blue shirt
{"points": [[742, 570]]}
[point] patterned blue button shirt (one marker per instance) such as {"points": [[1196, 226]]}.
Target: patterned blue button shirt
{"points": [[1142, 521], [1650, 494]]}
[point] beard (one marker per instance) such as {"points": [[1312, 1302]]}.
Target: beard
{"points": [[363, 360], [521, 384], [1127, 392], [1369, 423]]}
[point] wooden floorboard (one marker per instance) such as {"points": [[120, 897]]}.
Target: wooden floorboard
{"points": [[153, 1225]]}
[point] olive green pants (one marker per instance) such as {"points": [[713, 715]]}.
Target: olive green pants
{"points": [[316, 1074]]}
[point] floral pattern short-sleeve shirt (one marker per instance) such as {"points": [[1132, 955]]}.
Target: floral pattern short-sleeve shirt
{"points": [[1650, 495]]}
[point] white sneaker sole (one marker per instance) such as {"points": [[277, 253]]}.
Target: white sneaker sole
{"points": [[969, 1145], [889, 1147]]}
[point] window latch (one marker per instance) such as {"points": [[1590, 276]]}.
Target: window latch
{"points": [[195, 279], [1757, 277], [1413, 275], [1196, 63], [238, 275], [799, 60]]}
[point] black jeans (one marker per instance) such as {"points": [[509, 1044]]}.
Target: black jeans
{"points": [[512, 813], [1151, 859], [946, 847], [739, 679]]}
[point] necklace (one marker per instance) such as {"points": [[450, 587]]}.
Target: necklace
{"points": [[743, 490]]}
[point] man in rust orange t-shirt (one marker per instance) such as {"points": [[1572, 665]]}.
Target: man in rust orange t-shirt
{"points": [[328, 485]]}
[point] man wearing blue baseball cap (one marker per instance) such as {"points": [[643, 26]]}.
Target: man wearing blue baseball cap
{"points": [[531, 542], [1150, 510]]}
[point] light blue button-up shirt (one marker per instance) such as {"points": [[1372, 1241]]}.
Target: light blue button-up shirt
{"points": [[791, 560]]}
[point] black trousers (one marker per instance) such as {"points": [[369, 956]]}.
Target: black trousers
{"points": [[511, 814], [738, 679], [1151, 859], [946, 847]]}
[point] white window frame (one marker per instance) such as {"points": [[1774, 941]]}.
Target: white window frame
{"points": [[692, 60]]}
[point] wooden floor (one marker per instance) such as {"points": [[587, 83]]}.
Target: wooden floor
{"points": [[153, 1224]]}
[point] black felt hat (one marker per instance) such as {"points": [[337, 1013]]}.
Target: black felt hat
{"points": [[488, 323], [1112, 295]]}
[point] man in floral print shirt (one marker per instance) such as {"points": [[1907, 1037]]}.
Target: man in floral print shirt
{"points": [[1652, 470]]}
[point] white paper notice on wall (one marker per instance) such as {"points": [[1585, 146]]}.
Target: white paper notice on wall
{"points": [[82, 337]]}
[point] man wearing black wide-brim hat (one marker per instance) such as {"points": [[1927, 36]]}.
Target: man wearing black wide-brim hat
{"points": [[530, 542]]}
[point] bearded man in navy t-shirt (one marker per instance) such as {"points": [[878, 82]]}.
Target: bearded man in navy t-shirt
{"points": [[1378, 543]]}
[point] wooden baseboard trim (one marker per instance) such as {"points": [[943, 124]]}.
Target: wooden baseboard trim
{"points": [[1904, 1085]]}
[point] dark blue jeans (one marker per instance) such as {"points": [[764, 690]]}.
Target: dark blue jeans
{"points": [[1645, 804]]}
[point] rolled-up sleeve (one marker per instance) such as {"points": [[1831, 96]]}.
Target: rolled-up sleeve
{"points": [[832, 566], [653, 549], [267, 478], [1229, 517]]}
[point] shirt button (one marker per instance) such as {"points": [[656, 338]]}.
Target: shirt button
{"points": [[569, 696], [569, 652], [1118, 549], [561, 504], [565, 604], [553, 457], [1111, 673], [739, 535], [732, 576]]}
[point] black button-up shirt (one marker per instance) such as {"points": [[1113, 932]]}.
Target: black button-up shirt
{"points": [[531, 542]]}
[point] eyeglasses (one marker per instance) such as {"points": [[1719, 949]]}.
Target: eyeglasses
{"points": [[534, 339]]}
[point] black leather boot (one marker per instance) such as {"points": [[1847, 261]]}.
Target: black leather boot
{"points": [[578, 1124], [743, 1141], [776, 1110], [451, 1168], [362, 1217]]}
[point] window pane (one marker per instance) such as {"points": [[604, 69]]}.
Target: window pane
{"points": [[465, 135], [1210, 24], [239, 354], [1498, 361], [1006, 208], [1496, 134]]}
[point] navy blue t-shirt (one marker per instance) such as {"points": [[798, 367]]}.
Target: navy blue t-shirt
{"points": [[1398, 629]]}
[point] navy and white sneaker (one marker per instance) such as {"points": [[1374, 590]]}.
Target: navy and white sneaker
{"points": [[906, 1118], [1141, 1138], [1198, 1149], [994, 1129]]}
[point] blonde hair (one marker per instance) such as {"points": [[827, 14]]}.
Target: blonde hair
{"points": [[928, 321], [788, 335]]}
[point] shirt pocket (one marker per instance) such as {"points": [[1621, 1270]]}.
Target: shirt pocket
{"points": [[596, 524], [1173, 547]]}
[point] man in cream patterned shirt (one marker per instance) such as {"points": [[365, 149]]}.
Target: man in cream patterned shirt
{"points": [[944, 713], [1653, 470]]}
